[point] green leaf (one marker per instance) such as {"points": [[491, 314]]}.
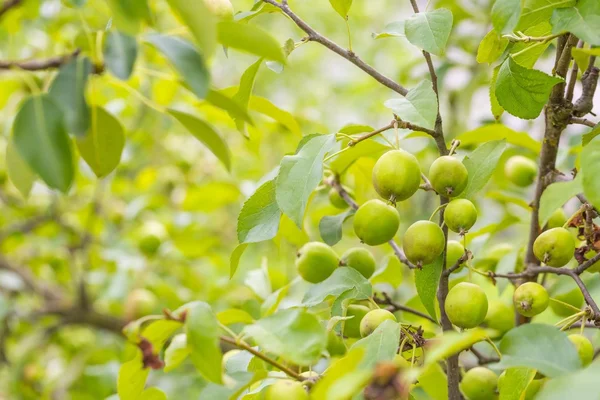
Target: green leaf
{"points": [[17, 169], [575, 385], [434, 382], [234, 261], [366, 148], [202, 330], [206, 134], [515, 382], [523, 92], [234, 316], [40, 137], [344, 378], [176, 352], [527, 53], [132, 379], [250, 39], [120, 53], [128, 15], [330, 226], [419, 106], [153, 394], [342, 7], [68, 92], [557, 194], [426, 282], [496, 108], [429, 30], [186, 60], [242, 96], [451, 343], [293, 334], [590, 170], [481, 165], [300, 174], [393, 29], [390, 274], [537, 11], [264, 106], [581, 20], [582, 56], [490, 132], [342, 280], [158, 332], [505, 15], [491, 47], [101, 148], [587, 138], [541, 347], [260, 215], [201, 22], [235, 109], [381, 345]]}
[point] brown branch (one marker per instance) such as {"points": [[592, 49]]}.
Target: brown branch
{"points": [[314, 36], [387, 300], [79, 316], [30, 282], [582, 121], [376, 132], [45, 63], [25, 227], [589, 82], [483, 359], [573, 76], [7, 5]]}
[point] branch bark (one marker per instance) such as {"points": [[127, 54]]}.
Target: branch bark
{"points": [[45, 63], [7, 5]]}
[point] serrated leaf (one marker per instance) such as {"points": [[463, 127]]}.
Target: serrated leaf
{"points": [[293, 334], [527, 53], [102, 146], [341, 7], [68, 92], [429, 30], [541, 347], [300, 174], [481, 164], [206, 134], [260, 215], [120, 53], [515, 383], [186, 60], [523, 92], [201, 22], [132, 378], [176, 352], [426, 282], [537, 11], [557, 194], [17, 169], [202, 332], [491, 47], [341, 281], [419, 106], [330, 226], [505, 15], [590, 168], [41, 139], [381, 345], [581, 20], [250, 39], [489, 132], [234, 260]]}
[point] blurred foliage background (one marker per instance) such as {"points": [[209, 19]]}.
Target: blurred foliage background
{"points": [[165, 219]]}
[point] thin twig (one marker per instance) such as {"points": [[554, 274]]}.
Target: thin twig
{"points": [[399, 307], [7, 5], [366, 136], [573, 76], [583, 121], [45, 63]]}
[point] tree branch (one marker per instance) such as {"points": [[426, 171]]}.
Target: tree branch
{"points": [[314, 36], [7, 5], [50, 294], [582, 121], [399, 307], [45, 63]]}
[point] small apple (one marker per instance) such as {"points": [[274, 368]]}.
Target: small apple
{"points": [[423, 242], [316, 262], [396, 175], [479, 383], [520, 170], [373, 319], [466, 305], [360, 259], [460, 215], [554, 247], [376, 223], [530, 299], [584, 348], [352, 325], [286, 389], [448, 176]]}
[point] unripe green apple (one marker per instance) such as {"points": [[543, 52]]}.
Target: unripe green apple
{"points": [[373, 319], [376, 223], [448, 176], [352, 325], [139, 303], [466, 305], [316, 262], [500, 317], [396, 175], [360, 259], [584, 348], [149, 245], [401, 362], [572, 297], [423, 242], [338, 201], [454, 251], [557, 219], [286, 389], [335, 345], [554, 247], [520, 170], [530, 299], [220, 8], [460, 215], [491, 258], [479, 383]]}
